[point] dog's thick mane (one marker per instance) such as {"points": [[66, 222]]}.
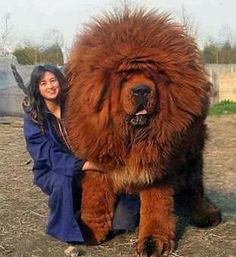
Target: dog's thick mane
{"points": [[109, 49]]}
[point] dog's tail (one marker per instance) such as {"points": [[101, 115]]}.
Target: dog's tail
{"points": [[19, 80]]}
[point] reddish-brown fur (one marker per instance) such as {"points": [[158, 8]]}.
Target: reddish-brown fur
{"points": [[163, 159]]}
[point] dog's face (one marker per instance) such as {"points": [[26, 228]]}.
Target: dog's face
{"points": [[139, 99], [136, 83]]}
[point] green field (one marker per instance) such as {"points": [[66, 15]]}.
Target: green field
{"points": [[222, 108]]}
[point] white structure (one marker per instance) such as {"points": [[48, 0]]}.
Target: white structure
{"points": [[11, 95]]}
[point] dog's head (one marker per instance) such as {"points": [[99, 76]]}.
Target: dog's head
{"points": [[132, 74]]}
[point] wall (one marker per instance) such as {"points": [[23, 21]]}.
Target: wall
{"points": [[223, 77]]}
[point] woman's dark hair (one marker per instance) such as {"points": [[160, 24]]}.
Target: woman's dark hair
{"points": [[34, 102]]}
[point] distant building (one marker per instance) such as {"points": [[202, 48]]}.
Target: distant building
{"points": [[4, 51], [7, 52]]}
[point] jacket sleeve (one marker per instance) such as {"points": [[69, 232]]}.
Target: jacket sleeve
{"points": [[46, 153]]}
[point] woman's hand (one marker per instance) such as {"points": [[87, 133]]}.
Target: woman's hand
{"points": [[89, 166]]}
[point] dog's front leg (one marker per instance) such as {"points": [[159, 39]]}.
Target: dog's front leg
{"points": [[97, 205], [157, 221]]}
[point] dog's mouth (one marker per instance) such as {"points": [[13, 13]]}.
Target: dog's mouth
{"points": [[139, 119]]}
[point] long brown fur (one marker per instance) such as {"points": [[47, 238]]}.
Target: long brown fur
{"points": [[160, 160]]}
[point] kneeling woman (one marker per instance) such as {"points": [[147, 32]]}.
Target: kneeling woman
{"points": [[55, 167]]}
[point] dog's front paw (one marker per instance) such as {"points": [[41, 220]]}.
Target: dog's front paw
{"points": [[96, 228], [154, 246]]}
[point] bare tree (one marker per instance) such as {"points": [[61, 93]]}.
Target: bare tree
{"points": [[226, 34], [52, 37], [191, 27], [5, 30], [66, 52]]}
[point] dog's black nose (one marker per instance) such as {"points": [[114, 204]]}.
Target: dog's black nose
{"points": [[141, 90]]}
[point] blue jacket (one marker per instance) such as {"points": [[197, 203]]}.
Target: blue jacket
{"points": [[54, 169]]}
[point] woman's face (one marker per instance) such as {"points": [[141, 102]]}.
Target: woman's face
{"points": [[49, 87]]}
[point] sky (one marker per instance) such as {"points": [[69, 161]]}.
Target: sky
{"points": [[33, 19]]}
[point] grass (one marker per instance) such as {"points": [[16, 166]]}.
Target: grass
{"points": [[222, 108]]}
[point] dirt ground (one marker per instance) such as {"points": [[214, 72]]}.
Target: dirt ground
{"points": [[23, 208]]}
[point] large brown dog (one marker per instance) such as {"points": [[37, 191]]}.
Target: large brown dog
{"points": [[136, 107]]}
